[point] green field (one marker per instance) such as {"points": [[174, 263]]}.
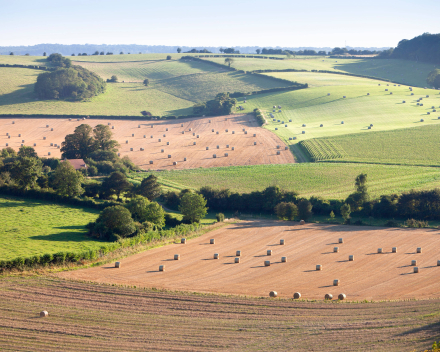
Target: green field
{"points": [[35, 227], [328, 180]]}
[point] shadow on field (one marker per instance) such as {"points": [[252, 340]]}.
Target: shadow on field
{"points": [[433, 328]]}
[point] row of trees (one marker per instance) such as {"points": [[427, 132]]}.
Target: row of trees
{"points": [[222, 104]]}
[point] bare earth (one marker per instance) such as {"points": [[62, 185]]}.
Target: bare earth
{"points": [[371, 276], [181, 145]]}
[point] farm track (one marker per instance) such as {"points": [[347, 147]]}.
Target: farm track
{"points": [[181, 145], [90, 317]]}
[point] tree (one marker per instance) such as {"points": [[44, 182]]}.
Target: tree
{"points": [[150, 188], [168, 57], [258, 51], [286, 211], [78, 145], [101, 53], [193, 207], [27, 152], [11, 53], [25, 171], [179, 50], [103, 139], [146, 82], [434, 79], [121, 53], [113, 79], [113, 223], [221, 50], [44, 54], [360, 196], [229, 61], [345, 212], [96, 52], [116, 184], [304, 209], [143, 210], [67, 181]]}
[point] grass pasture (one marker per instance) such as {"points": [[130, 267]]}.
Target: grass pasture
{"points": [[328, 180], [35, 227]]}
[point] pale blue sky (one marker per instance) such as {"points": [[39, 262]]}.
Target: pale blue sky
{"points": [[329, 23]]}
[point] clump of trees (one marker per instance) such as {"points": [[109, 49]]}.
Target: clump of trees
{"points": [[68, 82], [201, 51], [223, 104], [58, 60], [421, 48], [113, 79], [434, 78]]}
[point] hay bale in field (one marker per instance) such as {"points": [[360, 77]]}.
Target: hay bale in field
{"points": [[391, 93], [368, 93], [394, 250], [48, 153], [336, 282], [151, 162], [169, 156], [269, 252], [369, 127], [245, 132], [117, 264], [413, 262], [184, 159], [183, 240], [19, 134], [233, 132], [335, 249], [341, 240], [416, 270], [176, 256], [255, 143], [181, 125], [168, 143], [254, 135], [194, 143], [162, 150], [282, 242], [238, 253], [227, 145], [303, 125], [386, 90], [283, 259], [273, 294], [218, 147], [342, 296], [190, 129], [226, 130], [421, 120], [428, 113], [161, 267], [44, 314], [7, 144], [226, 154], [198, 136], [212, 241], [267, 263], [51, 144], [216, 256], [217, 132], [132, 134], [296, 295], [412, 93], [427, 96], [151, 136], [237, 260], [328, 94], [303, 132], [164, 135], [302, 222], [403, 102], [328, 296], [278, 152], [351, 257], [276, 128], [438, 262], [145, 136], [379, 250], [321, 125], [344, 97], [174, 163], [419, 250], [342, 122], [119, 154], [35, 144], [139, 126], [214, 156], [131, 149], [233, 148], [318, 267]]}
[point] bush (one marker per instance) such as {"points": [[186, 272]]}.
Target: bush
{"points": [[416, 223], [220, 217], [168, 57]]}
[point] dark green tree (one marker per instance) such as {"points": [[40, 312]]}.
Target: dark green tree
{"points": [[103, 138], [434, 78], [44, 54], [146, 82], [67, 181], [345, 212], [149, 188], [113, 223], [114, 78], [304, 209], [179, 50], [360, 196], [116, 184], [25, 171], [78, 145], [27, 151], [142, 210], [229, 61], [193, 207], [258, 51]]}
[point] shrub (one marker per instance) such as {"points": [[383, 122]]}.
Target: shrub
{"points": [[168, 57], [220, 217], [416, 223]]}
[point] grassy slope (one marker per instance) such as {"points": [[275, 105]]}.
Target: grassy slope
{"points": [[35, 227], [329, 180]]}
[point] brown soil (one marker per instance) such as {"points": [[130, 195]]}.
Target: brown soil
{"points": [[90, 317], [370, 276], [181, 145]]}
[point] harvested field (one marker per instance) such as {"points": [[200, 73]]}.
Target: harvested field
{"points": [[181, 145], [372, 276], [90, 317]]}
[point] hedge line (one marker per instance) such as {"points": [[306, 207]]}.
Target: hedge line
{"points": [[35, 67], [225, 67], [242, 56], [107, 117], [75, 257], [259, 117], [271, 90]]}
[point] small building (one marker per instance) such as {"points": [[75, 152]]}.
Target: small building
{"points": [[77, 164]]}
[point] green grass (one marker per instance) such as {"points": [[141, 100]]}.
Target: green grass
{"points": [[31, 228], [329, 180], [413, 146]]}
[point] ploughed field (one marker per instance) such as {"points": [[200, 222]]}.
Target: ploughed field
{"points": [[90, 317], [153, 137], [371, 276]]}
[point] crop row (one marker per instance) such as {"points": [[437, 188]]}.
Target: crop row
{"points": [[322, 149]]}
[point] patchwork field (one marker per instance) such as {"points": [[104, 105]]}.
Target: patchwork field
{"points": [[370, 276], [32, 227], [153, 137], [90, 317]]}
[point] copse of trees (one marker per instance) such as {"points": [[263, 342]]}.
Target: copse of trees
{"points": [[434, 78], [201, 51], [59, 61], [72, 83], [424, 48], [223, 104]]}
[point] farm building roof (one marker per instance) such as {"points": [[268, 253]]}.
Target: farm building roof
{"points": [[77, 163]]}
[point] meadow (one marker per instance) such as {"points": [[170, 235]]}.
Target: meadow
{"points": [[32, 227], [327, 180]]}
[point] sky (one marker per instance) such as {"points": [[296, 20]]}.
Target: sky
{"points": [[261, 23]]}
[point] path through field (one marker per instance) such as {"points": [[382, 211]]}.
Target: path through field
{"points": [[371, 276]]}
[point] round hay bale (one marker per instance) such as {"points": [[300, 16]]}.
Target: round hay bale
{"points": [[233, 132], [176, 256], [304, 125], [151, 136], [278, 152], [151, 161], [283, 259], [341, 240], [318, 267], [328, 94], [336, 282], [368, 93], [207, 148], [226, 154], [416, 270], [267, 263], [181, 125], [344, 97], [394, 250], [238, 253], [276, 128], [233, 148], [48, 153], [132, 134], [174, 163], [218, 147], [428, 113], [302, 222], [183, 240], [164, 135], [237, 260], [212, 130], [51, 129], [184, 159], [412, 93], [198, 136], [169, 156], [342, 122], [245, 132], [19, 134], [269, 252], [47, 126], [419, 250], [194, 143], [413, 262], [35, 144], [336, 250], [379, 250], [209, 121], [168, 143], [214, 156], [217, 132], [216, 256], [117, 264], [273, 294], [7, 144], [342, 296], [44, 314], [278, 146], [282, 242], [403, 102], [296, 295], [190, 129], [255, 143], [255, 134], [303, 132], [227, 145], [161, 267], [328, 296], [160, 140], [145, 136], [51, 144], [391, 93], [162, 151], [438, 262], [351, 258], [212, 241], [321, 125], [131, 149]]}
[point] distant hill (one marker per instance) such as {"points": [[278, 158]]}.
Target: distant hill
{"points": [[67, 50], [425, 48]]}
